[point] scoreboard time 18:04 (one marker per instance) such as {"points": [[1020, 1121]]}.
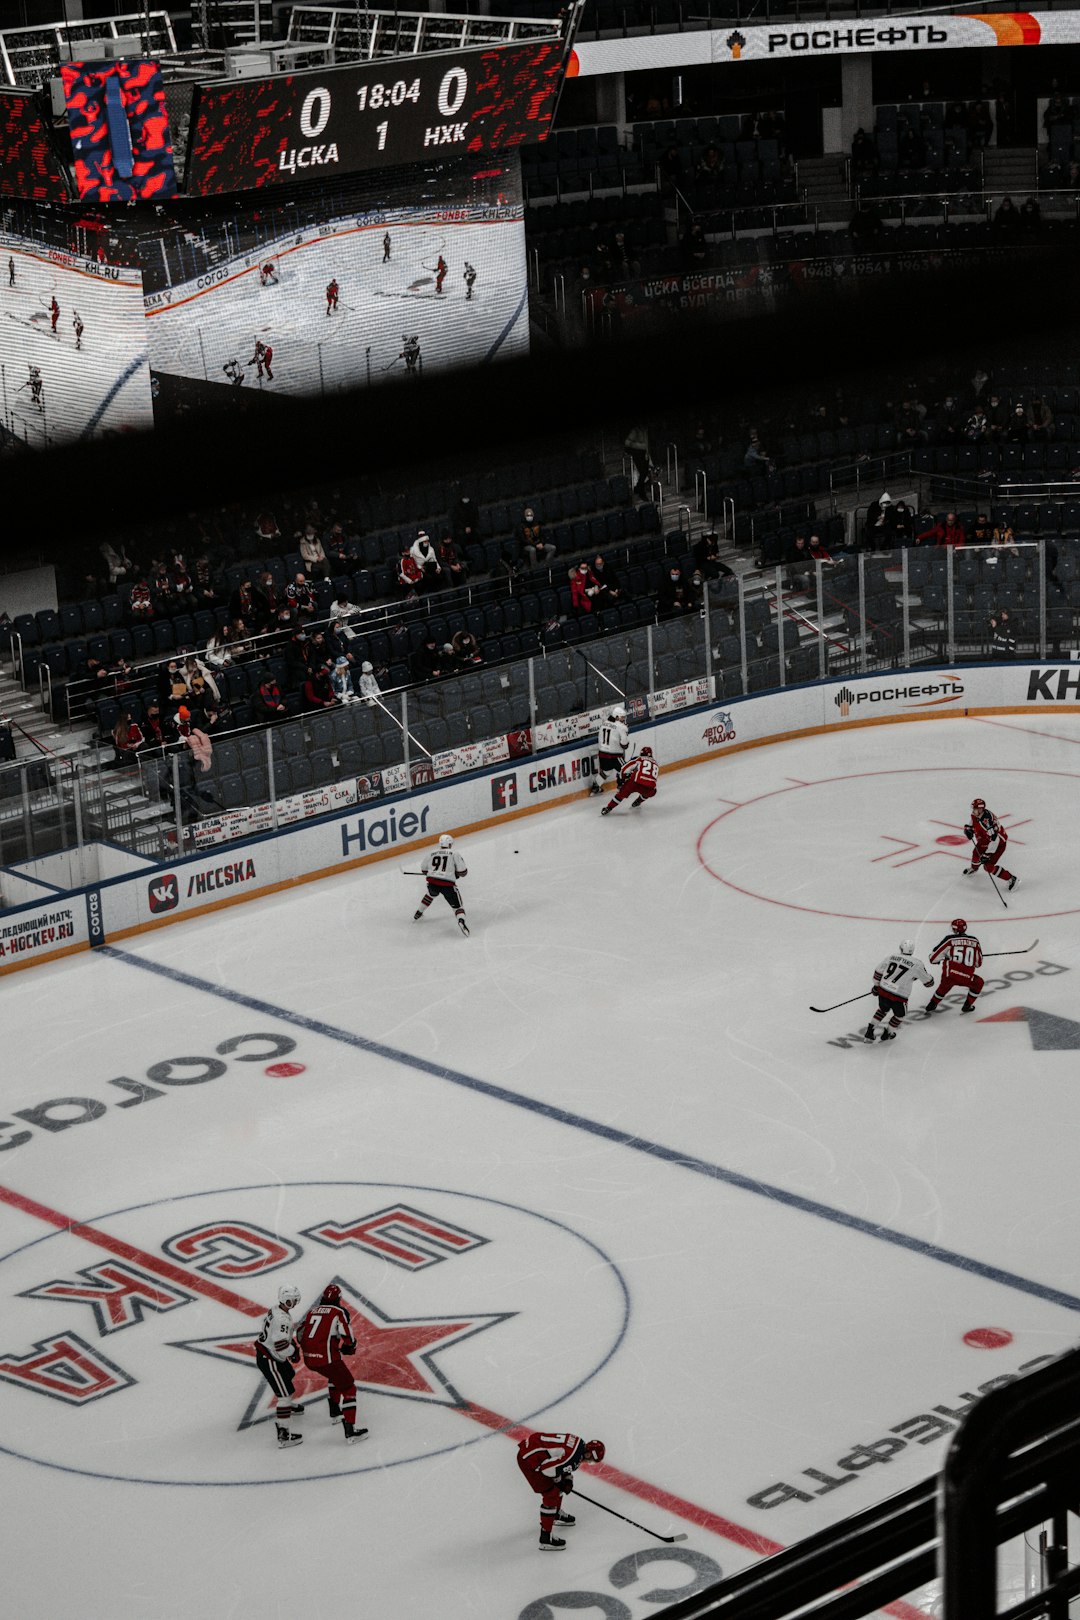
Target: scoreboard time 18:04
{"points": [[315, 112]]}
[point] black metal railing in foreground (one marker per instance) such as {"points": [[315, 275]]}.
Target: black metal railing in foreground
{"points": [[1013, 1464]]}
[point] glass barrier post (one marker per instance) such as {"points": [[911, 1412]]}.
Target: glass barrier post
{"points": [[1041, 565], [905, 607], [822, 659], [649, 658], [176, 804], [28, 820], [706, 623], [76, 806], [780, 624], [742, 632], [950, 626], [862, 613], [532, 699], [405, 735], [271, 785]]}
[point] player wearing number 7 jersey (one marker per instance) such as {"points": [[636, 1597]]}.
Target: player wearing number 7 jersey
{"points": [[893, 981], [548, 1462], [960, 954], [324, 1337], [443, 867]]}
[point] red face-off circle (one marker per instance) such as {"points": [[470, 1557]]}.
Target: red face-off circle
{"points": [[988, 1338], [285, 1071]]}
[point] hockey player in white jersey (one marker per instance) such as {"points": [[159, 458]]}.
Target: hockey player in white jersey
{"points": [[443, 867], [276, 1351], [612, 741], [894, 978]]}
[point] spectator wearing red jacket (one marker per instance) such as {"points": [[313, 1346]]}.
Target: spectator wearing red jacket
{"points": [[410, 573], [584, 586], [947, 533]]}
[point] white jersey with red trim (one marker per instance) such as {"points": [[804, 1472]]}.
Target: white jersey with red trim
{"points": [[897, 974], [443, 866], [278, 1336], [612, 737]]}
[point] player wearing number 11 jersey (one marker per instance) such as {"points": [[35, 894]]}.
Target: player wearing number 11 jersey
{"points": [[893, 981], [960, 954]]}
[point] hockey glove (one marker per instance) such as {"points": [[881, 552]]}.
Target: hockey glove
{"points": [[565, 1483], [969, 832], [348, 1348]]}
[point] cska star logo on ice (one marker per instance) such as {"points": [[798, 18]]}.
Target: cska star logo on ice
{"points": [[141, 1321]]}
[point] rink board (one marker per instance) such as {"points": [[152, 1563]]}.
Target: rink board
{"points": [[306, 851]]}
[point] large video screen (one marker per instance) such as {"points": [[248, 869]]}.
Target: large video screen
{"points": [[374, 278], [74, 361]]}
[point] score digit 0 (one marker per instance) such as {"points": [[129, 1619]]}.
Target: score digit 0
{"points": [[315, 113], [452, 91]]}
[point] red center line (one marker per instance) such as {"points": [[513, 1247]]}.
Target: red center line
{"points": [[678, 1506]]}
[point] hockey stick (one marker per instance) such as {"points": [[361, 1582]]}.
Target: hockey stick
{"points": [[655, 1535], [997, 891], [1024, 952], [846, 1003], [601, 674], [405, 872]]}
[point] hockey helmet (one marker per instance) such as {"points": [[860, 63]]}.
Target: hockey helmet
{"points": [[978, 804], [595, 1451], [647, 750], [617, 713], [907, 947], [958, 925], [331, 1294], [288, 1296], [446, 842]]}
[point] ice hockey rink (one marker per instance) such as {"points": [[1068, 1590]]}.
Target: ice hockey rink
{"points": [[196, 331], [595, 1168]]}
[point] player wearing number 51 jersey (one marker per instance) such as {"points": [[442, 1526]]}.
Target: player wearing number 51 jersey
{"points": [[548, 1462], [959, 954], [325, 1336], [275, 1352], [443, 867], [893, 981]]}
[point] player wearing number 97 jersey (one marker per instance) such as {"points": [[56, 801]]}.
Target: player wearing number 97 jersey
{"points": [[894, 978], [960, 954]]}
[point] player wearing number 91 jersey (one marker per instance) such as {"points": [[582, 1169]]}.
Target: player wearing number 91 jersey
{"points": [[443, 867], [894, 978], [959, 954]]}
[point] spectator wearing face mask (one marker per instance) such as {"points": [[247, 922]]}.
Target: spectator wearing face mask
{"points": [[537, 548]]}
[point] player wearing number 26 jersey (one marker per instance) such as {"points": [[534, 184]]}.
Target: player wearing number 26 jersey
{"points": [[894, 978], [960, 955]]}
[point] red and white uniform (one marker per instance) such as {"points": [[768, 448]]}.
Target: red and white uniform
{"points": [[989, 839], [894, 980], [324, 1337], [331, 296], [275, 1352], [440, 273], [542, 1458], [141, 600], [960, 956], [639, 777], [612, 741]]}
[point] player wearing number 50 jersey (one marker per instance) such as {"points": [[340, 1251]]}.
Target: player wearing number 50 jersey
{"points": [[548, 1462], [894, 979], [325, 1336], [959, 954], [443, 867]]}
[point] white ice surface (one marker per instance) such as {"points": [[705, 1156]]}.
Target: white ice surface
{"points": [[200, 331], [612, 975], [102, 387]]}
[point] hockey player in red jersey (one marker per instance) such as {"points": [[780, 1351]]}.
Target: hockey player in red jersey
{"points": [[960, 954], [262, 358], [54, 312], [276, 1352], [268, 275], [440, 273], [989, 838], [325, 1336], [548, 1462], [332, 296], [638, 776]]}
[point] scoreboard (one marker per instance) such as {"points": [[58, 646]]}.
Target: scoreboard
{"points": [[380, 114]]}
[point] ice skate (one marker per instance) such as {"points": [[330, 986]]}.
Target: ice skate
{"points": [[634, 803], [463, 925], [285, 1439], [969, 869], [969, 1006], [352, 1434], [565, 1518], [1013, 881], [608, 808], [888, 1034], [416, 916], [594, 787], [550, 1543], [869, 1036]]}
